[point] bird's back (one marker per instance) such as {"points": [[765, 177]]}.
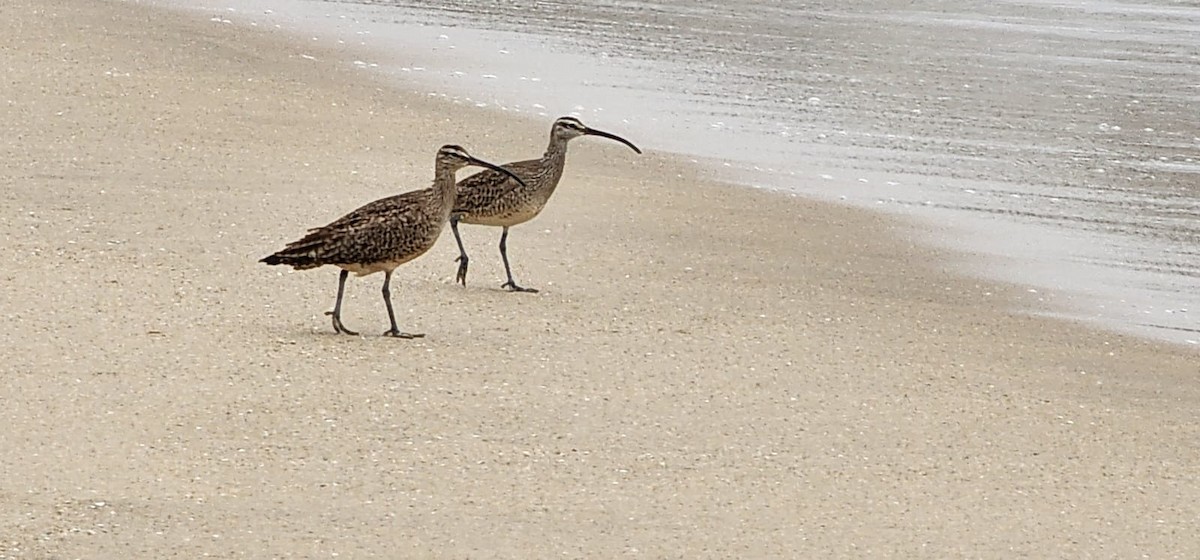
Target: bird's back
{"points": [[377, 236], [479, 199]]}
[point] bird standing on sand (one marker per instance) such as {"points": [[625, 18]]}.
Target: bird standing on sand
{"points": [[384, 234], [489, 198]]}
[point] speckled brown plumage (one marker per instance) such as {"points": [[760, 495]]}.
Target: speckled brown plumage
{"points": [[383, 234], [479, 201], [490, 198], [378, 236]]}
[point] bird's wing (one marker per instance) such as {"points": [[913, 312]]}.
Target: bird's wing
{"points": [[481, 189], [353, 237]]}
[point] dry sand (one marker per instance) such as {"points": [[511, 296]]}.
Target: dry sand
{"points": [[708, 371]]}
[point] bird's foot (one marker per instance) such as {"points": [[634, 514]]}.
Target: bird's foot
{"points": [[338, 327], [395, 333], [461, 278], [513, 287]]}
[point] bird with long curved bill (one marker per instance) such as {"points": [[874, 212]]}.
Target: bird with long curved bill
{"points": [[384, 234], [491, 198]]}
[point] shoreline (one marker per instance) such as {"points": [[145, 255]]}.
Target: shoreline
{"points": [[709, 370], [1078, 272]]}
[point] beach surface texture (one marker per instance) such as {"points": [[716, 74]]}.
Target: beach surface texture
{"points": [[708, 371]]}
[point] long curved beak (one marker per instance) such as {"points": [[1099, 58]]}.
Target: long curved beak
{"points": [[610, 136], [492, 166]]}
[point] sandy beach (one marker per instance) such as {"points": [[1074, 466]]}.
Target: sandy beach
{"points": [[708, 371]]}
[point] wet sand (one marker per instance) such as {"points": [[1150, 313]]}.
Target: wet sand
{"points": [[708, 371], [1053, 142]]}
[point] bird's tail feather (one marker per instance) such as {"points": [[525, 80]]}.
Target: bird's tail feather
{"points": [[302, 253], [295, 259], [298, 262]]}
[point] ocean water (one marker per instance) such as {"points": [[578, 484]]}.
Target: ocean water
{"points": [[1056, 142]]}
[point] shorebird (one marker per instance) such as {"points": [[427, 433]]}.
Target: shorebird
{"points": [[384, 234], [489, 198]]}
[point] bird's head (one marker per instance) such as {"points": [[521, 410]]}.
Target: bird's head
{"points": [[455, 158], [566, 128]]}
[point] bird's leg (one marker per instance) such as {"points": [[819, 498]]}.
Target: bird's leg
{"points": [[511, 284], [387, 300], [338, 327], [462, 253]]}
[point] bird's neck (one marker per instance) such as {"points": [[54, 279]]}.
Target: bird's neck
{"points": [[443, 186], [556, 151]]}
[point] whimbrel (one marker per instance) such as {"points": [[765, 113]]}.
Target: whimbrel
{"points": [[384, 234], [489, 198]]}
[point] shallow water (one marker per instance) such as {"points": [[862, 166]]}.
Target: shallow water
{"points": [[1057, 140]]}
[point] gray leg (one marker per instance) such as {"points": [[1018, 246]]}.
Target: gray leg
{"points": [[387, 300], [462, 253], [338, 327], [511, 284]]}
